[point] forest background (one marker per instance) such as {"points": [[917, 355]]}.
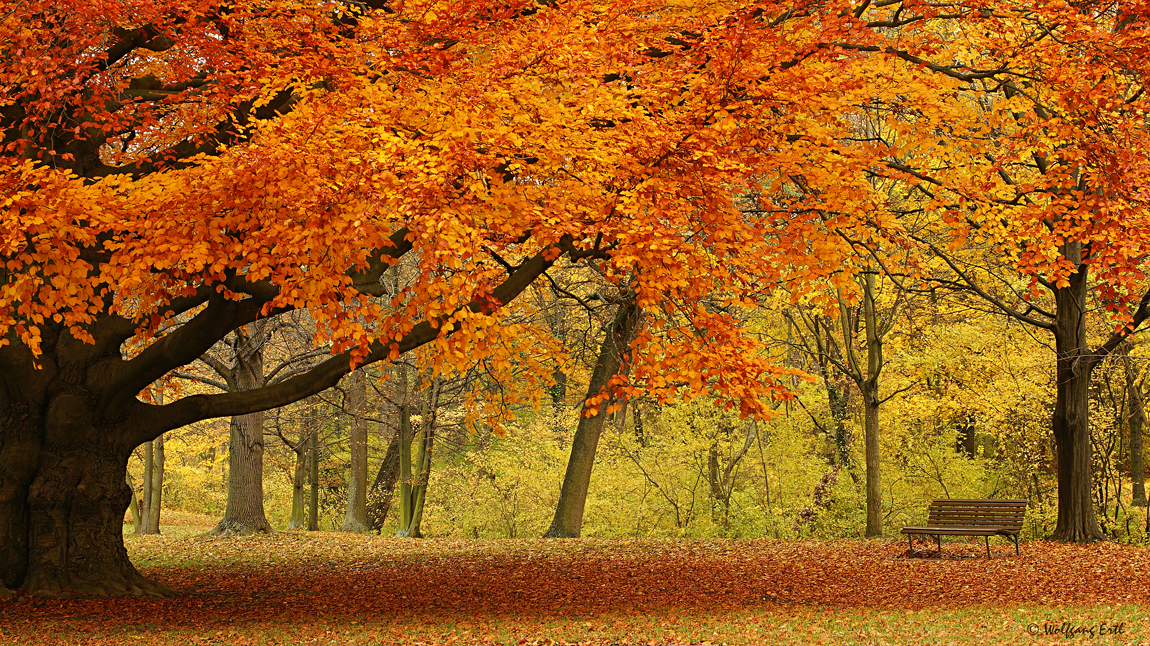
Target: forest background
{"points": [[969, 397]]}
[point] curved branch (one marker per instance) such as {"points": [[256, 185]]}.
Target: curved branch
{"points": [[1140, 316], [968, 281], [179, 348], [204, 380], [292, 361], [221, 370], [155, 420]]}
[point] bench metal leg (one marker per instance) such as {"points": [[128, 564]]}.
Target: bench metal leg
{"points": [[987, 546], [938, 539], [910, 541], [1015, 545]]}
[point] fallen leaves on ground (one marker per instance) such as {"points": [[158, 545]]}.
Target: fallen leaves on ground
{"points": [[469, 588]]}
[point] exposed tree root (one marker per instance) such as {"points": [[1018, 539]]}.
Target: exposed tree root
{"points": [[227, 528], [130, 584], [353, 525], [5, 593], [1077, 535]]}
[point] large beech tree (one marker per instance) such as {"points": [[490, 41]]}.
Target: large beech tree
{"points": [[174, 171]]}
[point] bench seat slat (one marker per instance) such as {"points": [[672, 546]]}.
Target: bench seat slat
{"points": [[972, 520], [982, 502], [958, 530]]}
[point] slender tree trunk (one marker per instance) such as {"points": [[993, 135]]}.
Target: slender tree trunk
{"points": [[559, 390], [716, 487], [1136, 422], [415, 465], [1076, 518], [966, 442], [568, 519], [152, 521], [423, 477], [873, 471], [313, 480], [355, 520], [405, 437], [867, 379], [134, 505], [299, 479], [637, 416], [146, 496], [382, 489]]}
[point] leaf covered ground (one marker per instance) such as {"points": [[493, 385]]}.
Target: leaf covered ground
{"points": [[330, 588]]}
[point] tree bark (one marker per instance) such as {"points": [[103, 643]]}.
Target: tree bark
{"points": [[383, 486], [873, 463], [63, 472], [244, 512], [76, 510], [146, 496], [152, 521], [299, 480], [134, 506], [415, 463], [1136, 422], [1076, 519], [313, 481], [64, 499], [568, 519], [355, 520]]}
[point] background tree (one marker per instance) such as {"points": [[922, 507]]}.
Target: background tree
{"points": [[872, 322], [612, 359], [355, 520]]}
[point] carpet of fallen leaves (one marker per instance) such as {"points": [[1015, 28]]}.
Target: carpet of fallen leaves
{"points": [[338, 588]]}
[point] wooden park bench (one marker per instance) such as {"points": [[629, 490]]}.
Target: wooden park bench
{"points": [[985, 518]]}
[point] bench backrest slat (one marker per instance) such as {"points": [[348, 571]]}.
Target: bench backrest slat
{"points": [[977, 513]]}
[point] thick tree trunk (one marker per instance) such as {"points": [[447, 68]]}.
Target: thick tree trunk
{"points": [[568, 519], [70, 417], [1136, 422], [19, 456], [244, 513], [63, 474], [1076, 518], [76, 508], [355, 520]]}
